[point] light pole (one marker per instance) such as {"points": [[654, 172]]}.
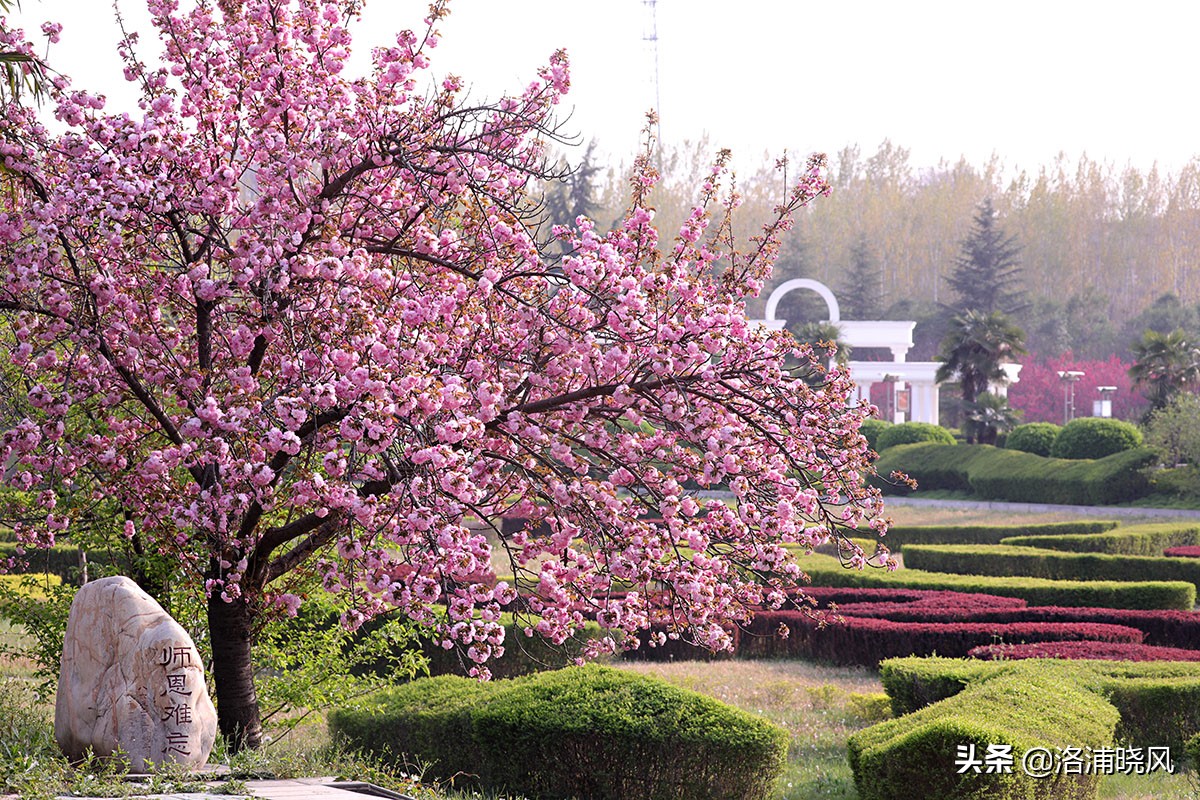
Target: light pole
{"points": [[1069, 378]]}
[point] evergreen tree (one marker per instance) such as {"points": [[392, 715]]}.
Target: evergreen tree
{"points": [[987, 273], [570, 195], [860, 293]]}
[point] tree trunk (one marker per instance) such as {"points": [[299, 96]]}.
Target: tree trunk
{"points": [[229, 626]]}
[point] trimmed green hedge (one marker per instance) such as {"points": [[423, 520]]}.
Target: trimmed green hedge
{"points": [[1159, 701], [1015, 476], [912, 432], [914, 756], [1156, 711], [1134, 540], [1024, 477], [1033, 437], [827, 571], [1095, 437], [900, 535], [931, 465], [1037, 562], [586, 731]]}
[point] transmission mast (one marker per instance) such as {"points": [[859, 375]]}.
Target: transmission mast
{"points": [[650, 36]]}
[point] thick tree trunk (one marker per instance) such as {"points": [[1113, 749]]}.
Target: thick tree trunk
{"points": [[229, 625]]}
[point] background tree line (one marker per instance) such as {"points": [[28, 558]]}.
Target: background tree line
{"points": [[1106, 252]]}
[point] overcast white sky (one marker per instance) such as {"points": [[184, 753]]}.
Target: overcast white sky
{"points": [[1025, 79]]}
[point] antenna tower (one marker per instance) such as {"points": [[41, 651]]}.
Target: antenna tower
{"points": [[650, 35]]}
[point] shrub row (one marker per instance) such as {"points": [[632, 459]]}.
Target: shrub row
{"points": [[1164, 628], [866, 641], [931, 465], [826, 571], [901, 535], [826, 595], [1133, 540], [1083, 650], [1158, 701], [1186, 551], [1020, 477], [914, 755], [1036, 562], [583, 732]]}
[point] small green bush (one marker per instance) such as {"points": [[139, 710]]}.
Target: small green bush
{"points": [[587, 731], [912, 433], [871, 428], [1095, 437], [1033, 437]]}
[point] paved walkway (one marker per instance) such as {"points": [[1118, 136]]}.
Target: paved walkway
{"points": [[1096, 512]]}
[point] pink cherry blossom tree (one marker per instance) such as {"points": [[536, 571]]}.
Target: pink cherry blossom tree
{"points": [[289, 320]]}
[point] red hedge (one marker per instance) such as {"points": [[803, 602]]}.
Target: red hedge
{"points": [[1184, 551], [1105, 651], [1163, 628], [867, 641]]}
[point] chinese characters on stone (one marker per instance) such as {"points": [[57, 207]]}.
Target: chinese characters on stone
{"points": [[177, 709]]}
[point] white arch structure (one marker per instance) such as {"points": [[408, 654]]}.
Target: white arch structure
{"points": [[913, 380]]}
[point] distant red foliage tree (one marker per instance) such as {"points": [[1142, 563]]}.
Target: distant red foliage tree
{"points": [[1039, 393]]}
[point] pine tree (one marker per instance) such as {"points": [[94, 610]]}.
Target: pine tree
{"points": [[860, 293], [987, 272]]}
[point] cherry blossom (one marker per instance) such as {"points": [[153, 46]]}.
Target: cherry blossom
{"points": [[290, 319]]}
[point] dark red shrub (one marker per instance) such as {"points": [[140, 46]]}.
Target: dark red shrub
{"points": [[1184, 551], [1104, 651], [866, 641]]}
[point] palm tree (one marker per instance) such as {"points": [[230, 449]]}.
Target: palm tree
{"points": [[1163, 364], [990, 416], [974, 353]]}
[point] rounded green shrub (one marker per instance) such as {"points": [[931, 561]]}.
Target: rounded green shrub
{"points": [[871, 428], [1095, 437], [578, 732], [1033, 437], [911, 433]]}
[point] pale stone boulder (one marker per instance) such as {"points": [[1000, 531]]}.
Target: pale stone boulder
{"points": [[131, 679]]}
